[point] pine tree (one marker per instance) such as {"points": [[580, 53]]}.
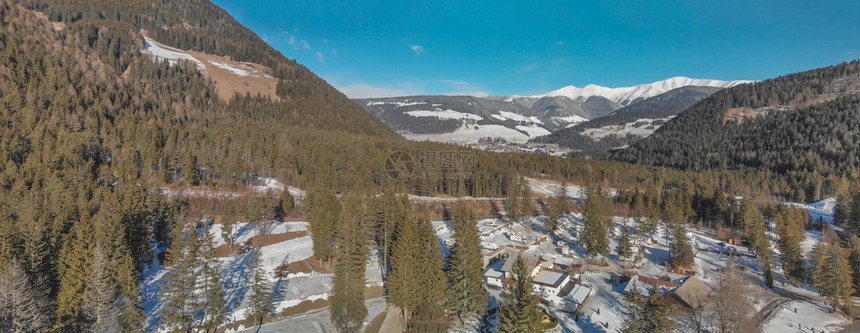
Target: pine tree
{"points": [[74, 262], [624, 244], [755, 230], [512, 200], [557, 208], [524, 191], [325, 211], [596, 221], [466, 295], [650, 313], [681, 249], [831, 273], [518, 310], [286, 203], [789, 223], [347, 294], [19, 308], [230, 217], [213, 303], [404, 266], [430, 287], [101, 304], [260, 301], [177, 294]]}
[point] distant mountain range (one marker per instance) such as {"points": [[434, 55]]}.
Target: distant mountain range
{"points": [[464, 119]]}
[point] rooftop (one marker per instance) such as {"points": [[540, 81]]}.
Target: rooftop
{"points": [[550, 277]]}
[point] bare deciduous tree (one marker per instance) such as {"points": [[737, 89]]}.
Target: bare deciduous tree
{"points": [[730, 309]]}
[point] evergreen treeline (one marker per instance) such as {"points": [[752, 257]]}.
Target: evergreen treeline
{"points": [[817, 141]]}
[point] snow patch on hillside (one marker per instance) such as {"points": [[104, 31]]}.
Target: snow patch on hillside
{"points": [[823, 209], [533, 130], [504, 115], [444, 114], [231, 68], [161, 52], [642, 127], [471, 134]]}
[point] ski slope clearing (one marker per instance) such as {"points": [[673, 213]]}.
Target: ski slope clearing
{"points": [[809, 315], [504, 115], [823, 209], [230, 76]]}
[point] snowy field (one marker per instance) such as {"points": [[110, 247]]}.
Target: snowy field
{"points": [[641, 127], [471, 134], [287, 292], [444, 114]]}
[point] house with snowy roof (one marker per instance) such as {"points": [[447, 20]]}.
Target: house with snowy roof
{"points": [[644, 284]]}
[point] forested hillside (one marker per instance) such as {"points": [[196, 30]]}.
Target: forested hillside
{"points": [[802, 126]]}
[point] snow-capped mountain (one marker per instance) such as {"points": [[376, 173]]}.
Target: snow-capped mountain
{"points": [[626, 95], [466, 119]]}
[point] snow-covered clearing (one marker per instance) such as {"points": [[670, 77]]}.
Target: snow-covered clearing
{"points": [[570, 120], [161, 52], [548, 187], [505, 115], [533, 130], [231, 68], [641, 127], [823, 209], [471, 134], [804, 316], [398, 104], [444, 114], [287, 291]]}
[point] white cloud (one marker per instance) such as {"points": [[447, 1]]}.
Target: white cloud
{"points": [[418, 49], [468, 93], [367, 91], [305, 44], [320, 57], [456, 82], [558, 44], [333, 51], [293, 42]]}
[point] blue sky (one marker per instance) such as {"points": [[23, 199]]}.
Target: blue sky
{"points": [[394, 48]]}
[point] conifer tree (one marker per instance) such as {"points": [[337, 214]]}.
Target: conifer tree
{"points": [[229, 219], [260, 301], [178, 293], [73, 265], [518, 309], [557, 208], [512, 200], [524, 191], [19, 308], [325, 212], [347, 294], [681, 248], [211, 292], [596, 221], [831, 273], [101, 305], [648, 314], [430, 287], [466, 295], [789, 223], [755, 229], [624, 244], [404, 267], [286, 203]]}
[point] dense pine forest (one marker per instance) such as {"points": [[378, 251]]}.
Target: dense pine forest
{"points": [[91, 129], [814, 141]]}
